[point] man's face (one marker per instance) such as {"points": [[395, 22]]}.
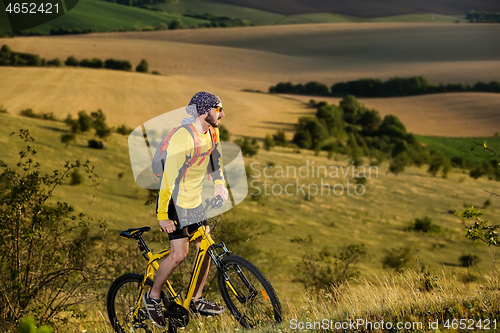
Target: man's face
{"points": [[214, 117]]}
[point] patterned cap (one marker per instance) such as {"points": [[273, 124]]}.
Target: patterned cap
{"points": [[201, 103]]}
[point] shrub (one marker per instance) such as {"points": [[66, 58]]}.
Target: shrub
{"points": [[468, 260], [269, 142], [76, 178], [34, 226], [324, 269], [143, 67], [28, 113], [95, 144], [54, 62], [91, 63], [71, 61], [248, 148], [3, 109], [67, 138], [28, 325], [397, 258], [83, 124], [223, 133], [398, 164], [425, 225], [279, 138], [123, 130], [177, 24], [123, 65], [99, 123]]}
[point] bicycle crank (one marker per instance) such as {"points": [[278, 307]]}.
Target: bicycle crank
{"points": [[177, 315]]}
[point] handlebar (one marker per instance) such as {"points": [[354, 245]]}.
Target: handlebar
{"points": [[213, 204]]}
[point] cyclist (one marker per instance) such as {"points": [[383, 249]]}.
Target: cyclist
{"points": [[179, 200]]}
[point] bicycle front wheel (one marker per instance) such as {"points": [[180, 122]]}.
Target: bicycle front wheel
{"points": [[248, 294], [123, 298]]}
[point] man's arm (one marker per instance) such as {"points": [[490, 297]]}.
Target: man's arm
{"points": [[179, 147], [218, 169]]}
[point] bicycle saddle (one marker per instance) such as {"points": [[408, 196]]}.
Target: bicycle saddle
{"points": [[134, 232]]}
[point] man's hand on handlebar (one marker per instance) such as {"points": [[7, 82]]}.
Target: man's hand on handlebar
{"points": [[167, 225], [222, 191]]}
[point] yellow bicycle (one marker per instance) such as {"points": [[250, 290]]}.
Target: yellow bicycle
{"points": [[245, 290]]}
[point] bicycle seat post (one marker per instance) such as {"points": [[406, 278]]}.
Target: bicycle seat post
{"points": [[143, 247]]}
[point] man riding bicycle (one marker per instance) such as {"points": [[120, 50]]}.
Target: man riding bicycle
{"points": [[191, 150]]}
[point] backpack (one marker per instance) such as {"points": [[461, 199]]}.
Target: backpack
{"points": [[160, 156]]}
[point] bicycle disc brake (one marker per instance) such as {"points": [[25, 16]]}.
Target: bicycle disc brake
{"points": [[177, 314]]}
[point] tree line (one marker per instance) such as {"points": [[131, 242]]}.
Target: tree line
{"points": [[393, 87], [483, 17], [11, 58], [352, 129]]}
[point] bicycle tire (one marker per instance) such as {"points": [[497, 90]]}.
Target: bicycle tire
{"points": [[260, 306], [121, 301]]}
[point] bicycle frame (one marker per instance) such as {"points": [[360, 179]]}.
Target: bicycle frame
{"points": [[207, 245]]}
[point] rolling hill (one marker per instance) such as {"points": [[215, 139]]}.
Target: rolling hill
{"points": [[103, 16], [258, 57], [363, 8]]}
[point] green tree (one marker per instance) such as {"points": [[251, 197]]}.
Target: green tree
{"points": [[102, 130], [269, 142], [67, 138], [352, 108], [223, 133], [248, 148], [143, 67], [333, 118], [176, 24], [279, 138], [71, 61], [83, 124]]}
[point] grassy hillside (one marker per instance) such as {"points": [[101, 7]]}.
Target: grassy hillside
{"points": [[461, 147], [377, 218]]}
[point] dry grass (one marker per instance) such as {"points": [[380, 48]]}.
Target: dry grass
{"points": [[133, 98]]}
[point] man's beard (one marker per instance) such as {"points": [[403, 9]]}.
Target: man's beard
{"points": [[209, 119]]}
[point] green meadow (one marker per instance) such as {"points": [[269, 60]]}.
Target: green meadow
{"points": [[465, 148], [103, 16]]}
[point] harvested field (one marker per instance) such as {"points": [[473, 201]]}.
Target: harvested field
{"points": [[227, 61], [258, 57]]}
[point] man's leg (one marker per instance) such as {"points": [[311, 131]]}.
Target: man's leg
{"points": [[202, 279], [200, 304], [179, 250]]}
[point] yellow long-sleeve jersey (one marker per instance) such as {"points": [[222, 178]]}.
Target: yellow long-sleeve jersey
{"points": [[182, 183]]}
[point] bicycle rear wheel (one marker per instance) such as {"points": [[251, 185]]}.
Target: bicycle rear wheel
{"points": [[253, 301], [123, 296]]}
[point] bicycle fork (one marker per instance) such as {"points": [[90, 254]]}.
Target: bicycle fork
{"points": [[222, 267]]}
